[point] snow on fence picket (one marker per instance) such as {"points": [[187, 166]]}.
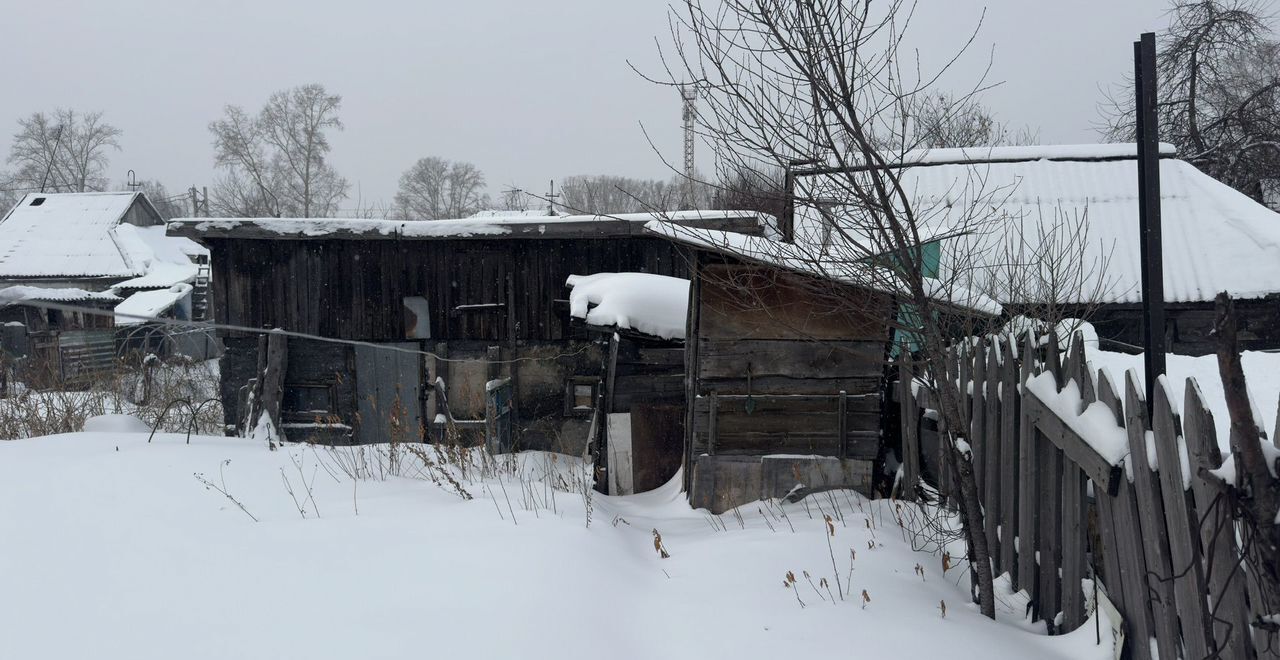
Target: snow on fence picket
{"points": [[1070, 469]]}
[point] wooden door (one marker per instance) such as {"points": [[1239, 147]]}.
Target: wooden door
{"points": [[388, 394]]}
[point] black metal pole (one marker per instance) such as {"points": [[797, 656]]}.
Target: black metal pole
{"points": [[1152, 252]]}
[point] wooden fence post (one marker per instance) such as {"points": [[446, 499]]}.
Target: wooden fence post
{"points": [[1216, 526], [991, 453], [977, 410], [1155, 535], [1184, 548], [1009, 406], [1028, 485], [910, 413]]}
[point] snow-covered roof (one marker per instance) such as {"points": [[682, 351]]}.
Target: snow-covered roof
{"points": [[169, 262], [798, 259], [18, 294], [961, 155], [137, 308], [644, 302], [69, 235], [1215, 238], [523, 213], [519, 226]]}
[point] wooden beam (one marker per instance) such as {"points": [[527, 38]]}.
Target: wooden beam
{"points": [[1103, 473]]}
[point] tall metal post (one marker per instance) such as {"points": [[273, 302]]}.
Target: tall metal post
{"points": [[1152, 252], [689, 94]]}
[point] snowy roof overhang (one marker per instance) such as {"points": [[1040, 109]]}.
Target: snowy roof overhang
{"points": [[799, 259], [144, 305], [17, 295], [487, 227]]}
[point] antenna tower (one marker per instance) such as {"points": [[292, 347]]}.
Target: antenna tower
{"points": [[689, 94]]}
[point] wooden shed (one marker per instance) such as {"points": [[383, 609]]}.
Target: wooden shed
{"points": [[787, 373], [484, 297]]}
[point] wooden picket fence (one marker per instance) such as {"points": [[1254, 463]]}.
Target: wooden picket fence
{"points": [[1058, 511]]}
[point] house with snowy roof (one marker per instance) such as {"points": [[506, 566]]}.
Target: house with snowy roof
{"points": [[450, 323], [1054, 230], [104, 251]]}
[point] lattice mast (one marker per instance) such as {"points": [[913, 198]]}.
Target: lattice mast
{"points": [[689, 94]]}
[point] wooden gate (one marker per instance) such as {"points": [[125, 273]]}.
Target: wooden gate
{"points": [[388, 393]]}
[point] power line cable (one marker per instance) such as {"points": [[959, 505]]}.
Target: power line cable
{"points": [[210, 325]]}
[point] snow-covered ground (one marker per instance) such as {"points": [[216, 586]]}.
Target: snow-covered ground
{"points": [[113, 548]]}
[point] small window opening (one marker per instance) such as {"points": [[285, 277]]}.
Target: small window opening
{"points": [[580, 396], [37, 201], [307, 400]]}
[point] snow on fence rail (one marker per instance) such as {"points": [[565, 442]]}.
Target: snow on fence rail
{"points": [[1069, 472]]}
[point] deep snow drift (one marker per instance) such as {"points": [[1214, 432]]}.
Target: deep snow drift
{"points": [[114, 548]]}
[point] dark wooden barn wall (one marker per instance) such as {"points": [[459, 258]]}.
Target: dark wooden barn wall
{"points": [[354, 289], [774, 335], [1189, 326]]}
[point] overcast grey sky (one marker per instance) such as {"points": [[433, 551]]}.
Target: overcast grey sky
{"points": [[527, 90]]}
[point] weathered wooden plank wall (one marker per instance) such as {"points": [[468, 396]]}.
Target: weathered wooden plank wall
{"points": [[778, 354], [475, 289]]}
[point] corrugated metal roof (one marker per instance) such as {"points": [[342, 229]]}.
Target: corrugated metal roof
{"points": [[70, 235], [1215, 238]]}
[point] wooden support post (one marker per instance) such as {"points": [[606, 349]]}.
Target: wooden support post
{"points": [[277, 361]]}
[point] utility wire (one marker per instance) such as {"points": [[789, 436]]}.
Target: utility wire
{"points": [[210, 325]]}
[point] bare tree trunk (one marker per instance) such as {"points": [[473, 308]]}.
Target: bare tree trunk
{"points": [[1262, 498], [966, 483]]}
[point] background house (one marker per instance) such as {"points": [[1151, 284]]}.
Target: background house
{"points": [[108, 249], [1020, 206]]}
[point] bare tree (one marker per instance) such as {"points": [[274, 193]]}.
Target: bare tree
{"points": [[749, 188], [62, 151], [168, 205], [274, 163], [437, 189], [941, 119], [825, 84], [607, 194], [1218, 71]]}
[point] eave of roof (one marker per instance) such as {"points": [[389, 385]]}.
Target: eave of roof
{"points": [[511, 227]]}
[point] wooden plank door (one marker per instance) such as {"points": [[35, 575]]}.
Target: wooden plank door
{"points": [[388, 393]]}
